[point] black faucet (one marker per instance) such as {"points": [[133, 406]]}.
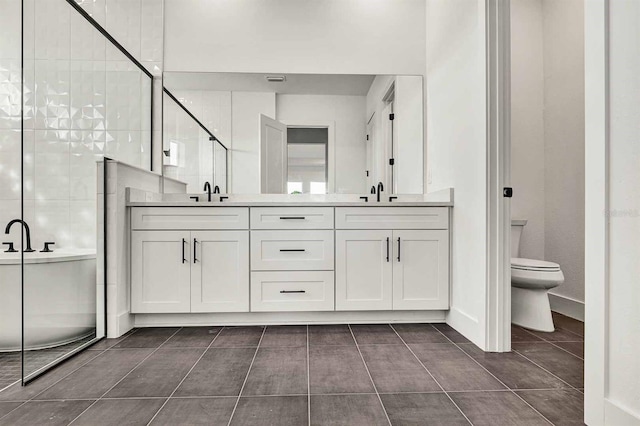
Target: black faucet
{"points": [[216, 189], [26, 229], [380, 189], [207, 187], [373, 189]]}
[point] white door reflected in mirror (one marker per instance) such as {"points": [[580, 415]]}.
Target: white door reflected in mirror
{"points": [[273, 156], [308, 133]]}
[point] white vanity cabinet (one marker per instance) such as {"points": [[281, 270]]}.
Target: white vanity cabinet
{"points": [[292, 259], [160, 271], [189, 270], [395, 268]]}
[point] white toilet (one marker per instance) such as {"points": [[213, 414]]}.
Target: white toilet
{"points": [[531, 281]]}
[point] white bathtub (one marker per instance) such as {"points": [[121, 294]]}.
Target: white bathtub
{"points": [[59, 298]]}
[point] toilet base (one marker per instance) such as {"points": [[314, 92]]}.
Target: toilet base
{"points": [[530, 309]]}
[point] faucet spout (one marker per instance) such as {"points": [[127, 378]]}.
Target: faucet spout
{"points": [[380, 189], [207, 188], [26, 230]]}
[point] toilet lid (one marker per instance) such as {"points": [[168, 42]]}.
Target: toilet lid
{"points": [[533, 264]]}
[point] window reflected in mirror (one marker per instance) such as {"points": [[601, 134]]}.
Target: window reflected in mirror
{"points": [[307, 171]]}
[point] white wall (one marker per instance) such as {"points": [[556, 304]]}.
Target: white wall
{"points": [[612, 113], [527, 124], [564, 141], [409, 114], [348, 114], [246, 108], [457, 147], [547, 129], [321, 36]]}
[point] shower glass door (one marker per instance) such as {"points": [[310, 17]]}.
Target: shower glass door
{"points": [[84, 100], [10, 191]]}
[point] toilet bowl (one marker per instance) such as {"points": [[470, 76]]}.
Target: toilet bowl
{"points": [[531, 281]]}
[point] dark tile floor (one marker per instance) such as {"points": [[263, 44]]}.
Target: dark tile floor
{"points": [[401, 374], [11, 362]]}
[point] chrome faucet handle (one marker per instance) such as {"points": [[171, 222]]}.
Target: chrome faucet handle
{"points": [[46, 248], [10, 249]]}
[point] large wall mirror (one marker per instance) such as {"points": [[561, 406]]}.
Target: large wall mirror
{"points": [[295, 133]]}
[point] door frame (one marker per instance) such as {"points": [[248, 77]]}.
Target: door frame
{"points": [[331, 146], [498, 295]]}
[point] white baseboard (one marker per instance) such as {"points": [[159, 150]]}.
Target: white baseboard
{"points": [[123, 323], [466, 325], [289, 318], [615, 414], [567, 306]]}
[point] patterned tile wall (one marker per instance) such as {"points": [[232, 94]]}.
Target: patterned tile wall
{"points": [[83, 99]]}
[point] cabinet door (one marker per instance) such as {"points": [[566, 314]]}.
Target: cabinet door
{"points": [[220, 271], [160, 272], [363, 270], [420, 270]]}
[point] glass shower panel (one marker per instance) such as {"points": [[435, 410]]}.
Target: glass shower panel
{"points": [[91, 102], [10, 190], [220, 167], [188, 152]]}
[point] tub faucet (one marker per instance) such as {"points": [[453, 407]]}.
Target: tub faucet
{"points": [[26, 229], [207, 188], [216, 189], [380, 189]]}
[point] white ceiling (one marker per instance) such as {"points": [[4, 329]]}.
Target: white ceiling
{"points": [[300, 84]]}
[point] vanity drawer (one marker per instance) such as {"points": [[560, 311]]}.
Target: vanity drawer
{"points": [[292, 250], [195, 218], [292, 291], [292, 218], [392, 218]]}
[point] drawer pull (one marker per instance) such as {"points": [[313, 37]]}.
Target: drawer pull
{"points": [[292, 291], [184, 260], [292, 218], [287, 250]]}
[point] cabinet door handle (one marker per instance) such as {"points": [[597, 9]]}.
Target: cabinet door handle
{"points": [[194, 250], [292, 291], [387, 249], [292, 249], [292, 217], [398, 249], [184, 259]]}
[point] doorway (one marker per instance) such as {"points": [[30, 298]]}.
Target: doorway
{"points": [[307, 160]]}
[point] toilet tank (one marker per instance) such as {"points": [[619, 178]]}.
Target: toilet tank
{"points": [[517, 225]]}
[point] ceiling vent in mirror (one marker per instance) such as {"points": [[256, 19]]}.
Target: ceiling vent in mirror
{"points": [[276, 78]]}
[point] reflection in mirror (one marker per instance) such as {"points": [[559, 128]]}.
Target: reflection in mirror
{"points": [[192, 153], [299, 133]]}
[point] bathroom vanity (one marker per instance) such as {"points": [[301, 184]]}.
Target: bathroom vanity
{"points": [[241, 256]]}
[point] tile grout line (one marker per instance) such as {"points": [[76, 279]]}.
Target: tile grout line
{"points": [[99, 353], [429, 372], [369, 373], [125, 376], [493, 375], [308, 380], [296, 394], [255, 354], [543, 368], [554, 343], [185, 376]]}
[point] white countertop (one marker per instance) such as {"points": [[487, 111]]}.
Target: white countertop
{"points": [[139, 198]]}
